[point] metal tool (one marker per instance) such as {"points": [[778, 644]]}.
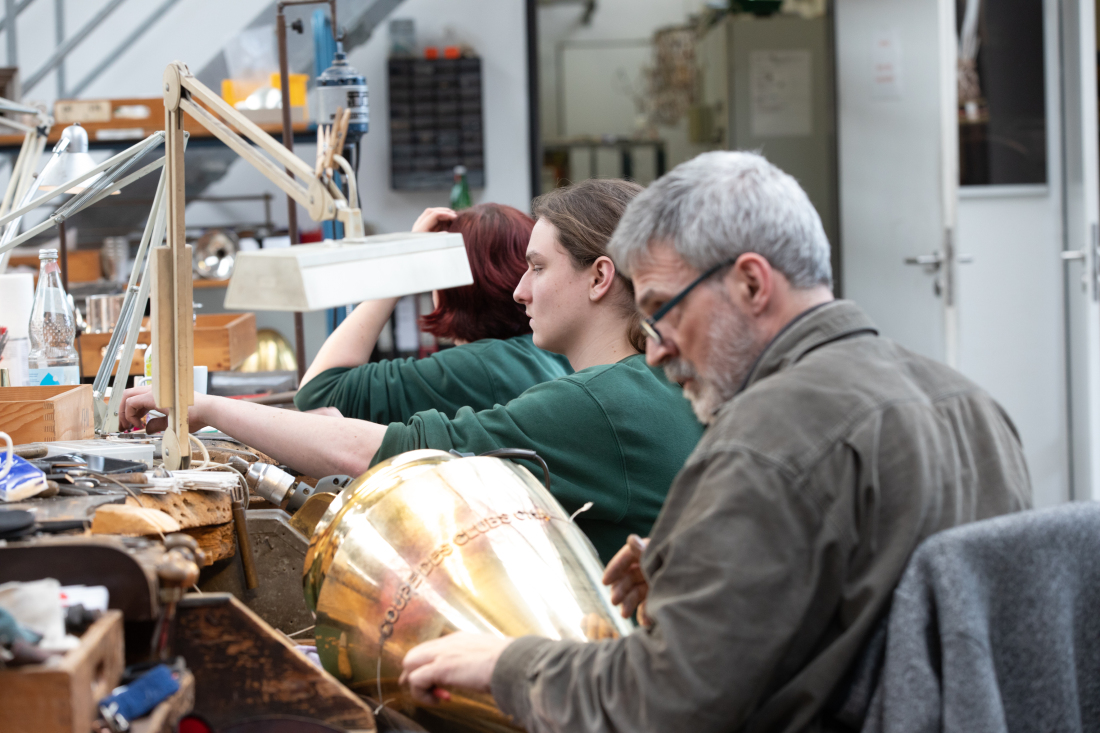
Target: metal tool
{"points": [[303, 491], [244, 542], [177, 570]]}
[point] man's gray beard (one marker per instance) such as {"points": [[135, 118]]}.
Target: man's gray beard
{"points": [[733, 349]]}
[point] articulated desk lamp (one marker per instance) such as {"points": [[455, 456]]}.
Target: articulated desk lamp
{"points": [[303, 277], [71, 170], [34, 142]]}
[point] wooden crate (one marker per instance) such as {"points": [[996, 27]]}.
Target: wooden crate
{"points": [[43, 414], [62, 697], [84, 265], [222, 342]]}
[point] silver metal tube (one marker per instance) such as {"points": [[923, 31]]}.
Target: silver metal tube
{"points": [[19, 8], [59, 38], [9, 27]]}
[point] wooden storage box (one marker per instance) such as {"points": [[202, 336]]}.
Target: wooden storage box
{"points": [[61, 696], [84, 266], [42, 414], [222, 342]]}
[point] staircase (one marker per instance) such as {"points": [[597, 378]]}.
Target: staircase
{"points": [[122, 26]]}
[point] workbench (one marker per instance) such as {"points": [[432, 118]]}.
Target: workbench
{"points": [[241, 661]]}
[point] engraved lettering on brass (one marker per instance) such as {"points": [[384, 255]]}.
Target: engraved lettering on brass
{"points": [[407, 589]]}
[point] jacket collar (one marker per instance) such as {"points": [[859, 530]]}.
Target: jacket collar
{"points": [[815, 327]]}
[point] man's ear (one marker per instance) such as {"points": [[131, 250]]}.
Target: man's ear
{"points": [[751, 282], [602, 273]]}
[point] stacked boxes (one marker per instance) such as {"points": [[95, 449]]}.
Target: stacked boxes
{"points": [[435, 123]]}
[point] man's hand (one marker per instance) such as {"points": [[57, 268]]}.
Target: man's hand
{"points": [[138, 401], [457, 660], [628, 585], [434, 219]]}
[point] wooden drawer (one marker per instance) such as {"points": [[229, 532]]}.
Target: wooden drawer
{"points": [[43, 414], [222, 342], [62, 697]]}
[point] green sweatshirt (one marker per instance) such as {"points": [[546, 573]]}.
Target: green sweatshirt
{"points": [[614, 434], [480, 375]]}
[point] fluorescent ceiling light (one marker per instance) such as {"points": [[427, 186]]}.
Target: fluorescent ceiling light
{"points": [[311, 277]]}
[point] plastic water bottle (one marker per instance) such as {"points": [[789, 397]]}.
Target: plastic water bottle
{"points": [[52, 359]]}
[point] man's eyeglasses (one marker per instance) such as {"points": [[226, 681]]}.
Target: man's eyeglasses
{"points": [[649, 325]]}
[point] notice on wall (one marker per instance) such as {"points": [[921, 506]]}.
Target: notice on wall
{"points": [[782, 102], [886, 65]]}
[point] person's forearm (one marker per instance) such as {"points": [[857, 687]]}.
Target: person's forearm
{"points": [[353, 340], [316, 445]]}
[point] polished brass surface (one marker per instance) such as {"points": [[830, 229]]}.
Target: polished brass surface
{"points": [[273, 353], [305, 519], [426, 544]]}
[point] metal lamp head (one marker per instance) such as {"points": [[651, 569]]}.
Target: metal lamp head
{"points": [[73, 162], [425, 544]]}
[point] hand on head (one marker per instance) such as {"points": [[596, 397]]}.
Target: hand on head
{"points": [[457, 660], [434, 219], [628, 585], [136, 404]]}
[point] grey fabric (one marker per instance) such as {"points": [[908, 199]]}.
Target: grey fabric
{"points": [[995, 628], [782, 540]]}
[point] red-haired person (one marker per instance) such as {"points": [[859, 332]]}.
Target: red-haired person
{"points": [[493, 361]]}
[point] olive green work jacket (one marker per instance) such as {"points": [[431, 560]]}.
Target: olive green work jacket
{"points": [[782, 539]]}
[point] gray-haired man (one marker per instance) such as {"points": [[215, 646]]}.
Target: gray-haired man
{"points": [[830, 454]]}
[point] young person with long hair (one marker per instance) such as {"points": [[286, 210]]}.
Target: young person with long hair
{"points": [[493, 361], [614, 433]]}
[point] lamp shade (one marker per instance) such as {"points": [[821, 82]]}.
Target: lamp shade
{"points": [[73, 162], [328, 274]]}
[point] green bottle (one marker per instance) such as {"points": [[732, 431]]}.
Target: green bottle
{"points": [[460, 192]]}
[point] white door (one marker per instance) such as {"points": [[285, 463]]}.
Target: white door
{"points": [[897, 155], [1081, 255], [1012, 297]]}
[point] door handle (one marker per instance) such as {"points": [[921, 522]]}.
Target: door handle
{"points": [[1090, 279], [932, 261], [935, 259]]}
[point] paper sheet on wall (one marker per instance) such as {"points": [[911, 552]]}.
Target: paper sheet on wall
{"points": [[886, 65], [781, 93]]}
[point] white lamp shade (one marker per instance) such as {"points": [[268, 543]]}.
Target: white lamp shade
{"points": [[312, 277], [66, 167], [74, 162]]}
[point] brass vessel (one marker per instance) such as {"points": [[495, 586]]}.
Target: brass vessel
{"points": [[426, 544]]}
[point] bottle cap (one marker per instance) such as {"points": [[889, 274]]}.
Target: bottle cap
{"points": [[460, 170], [47, 254]]}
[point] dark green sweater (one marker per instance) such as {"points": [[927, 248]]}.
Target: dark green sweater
{"points": [[480, 375], [614, 434]]}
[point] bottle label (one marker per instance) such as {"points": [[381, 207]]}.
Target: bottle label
{"points": [[54, 376]]}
